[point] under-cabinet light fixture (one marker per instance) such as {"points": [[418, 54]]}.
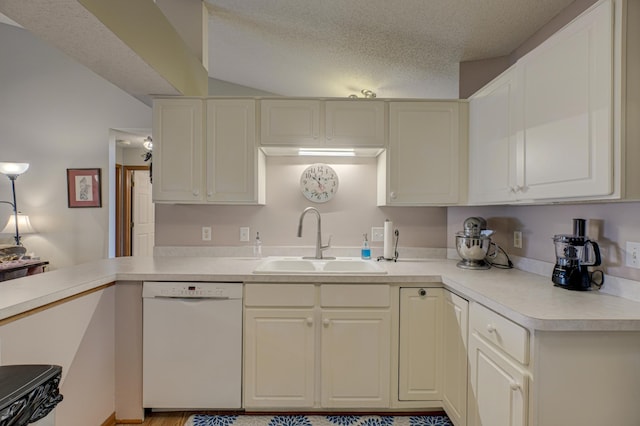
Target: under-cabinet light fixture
{"points": [[328, 152]]}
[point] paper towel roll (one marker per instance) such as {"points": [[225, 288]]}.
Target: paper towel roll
{"points": [[389, 252]]}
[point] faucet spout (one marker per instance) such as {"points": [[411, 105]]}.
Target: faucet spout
{"points": [[319, 247]]}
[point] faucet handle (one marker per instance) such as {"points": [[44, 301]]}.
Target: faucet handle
{"points": [[328, 244]]}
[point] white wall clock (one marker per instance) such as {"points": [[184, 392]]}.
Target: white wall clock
{"points": [[319, 183]]}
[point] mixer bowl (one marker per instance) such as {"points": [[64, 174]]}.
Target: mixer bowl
{"points": [[473, 251]]}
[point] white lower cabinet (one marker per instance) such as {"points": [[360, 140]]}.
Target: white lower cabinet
{"points": [[432, 354], [279, 357], [355, 361], [420, 350], [498, 388], [455, 324], [309, 346]]}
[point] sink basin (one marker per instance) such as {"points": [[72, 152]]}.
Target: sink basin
{"points": [[297, 265]]}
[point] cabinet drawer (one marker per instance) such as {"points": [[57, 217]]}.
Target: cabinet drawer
{"points": [[299, 295], [354, 296], [505, 334]]}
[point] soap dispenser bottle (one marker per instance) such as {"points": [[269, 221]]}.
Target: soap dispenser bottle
{"points": [[366, 250], [257, 246]]}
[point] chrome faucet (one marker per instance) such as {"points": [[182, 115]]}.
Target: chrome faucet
{"points": [[319, 246]]}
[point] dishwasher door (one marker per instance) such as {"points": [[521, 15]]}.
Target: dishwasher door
{"points": [[192, 345]]}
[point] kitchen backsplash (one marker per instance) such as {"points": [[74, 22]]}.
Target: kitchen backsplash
{"points": [[346, 217]]}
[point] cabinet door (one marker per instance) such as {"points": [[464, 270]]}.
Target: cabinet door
{"points": [[178, 150], [423, 156], [290, 122], [455, 383], [279, 354], [498, 388], [355, 360], [567, 110], [355, 123], [492, 141], [420, 356], [232, 158]]}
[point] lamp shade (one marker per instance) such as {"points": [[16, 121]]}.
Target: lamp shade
{"points": [[13, 169], [24, 225]]}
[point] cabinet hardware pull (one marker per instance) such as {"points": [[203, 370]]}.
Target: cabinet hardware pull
{"points": [[422, 292], [309, 320], [515, 386], [326, 322], [196, 192], [491, 328]]}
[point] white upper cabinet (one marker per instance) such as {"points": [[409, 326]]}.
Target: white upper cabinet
{"points": [[322, 123], [422, 163], [233, 160], [543, 130], [214, 161], [492, 141], [290, 122], [567, 104], [355, 123], [178, 148]]}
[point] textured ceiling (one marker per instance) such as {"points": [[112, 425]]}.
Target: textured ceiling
{"points": [[397, 48]]}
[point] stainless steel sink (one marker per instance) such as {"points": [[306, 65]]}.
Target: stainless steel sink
{"points": [[298, 265]]}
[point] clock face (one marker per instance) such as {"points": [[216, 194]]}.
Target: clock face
{"points": [[319, 183]]}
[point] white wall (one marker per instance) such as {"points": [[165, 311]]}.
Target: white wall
{"points": [[56, 114]]}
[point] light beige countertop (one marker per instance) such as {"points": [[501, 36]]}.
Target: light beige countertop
{"points": [[528, 299]]}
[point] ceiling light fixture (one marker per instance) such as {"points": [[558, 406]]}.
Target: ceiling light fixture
{"points": [[148, 143]]}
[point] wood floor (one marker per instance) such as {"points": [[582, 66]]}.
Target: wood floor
{"points": [[164, 419]]}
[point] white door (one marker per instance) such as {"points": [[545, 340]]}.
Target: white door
{"points": [[143, 231]]}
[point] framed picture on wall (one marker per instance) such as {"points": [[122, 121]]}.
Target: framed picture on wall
{"points": [[84, 188]]}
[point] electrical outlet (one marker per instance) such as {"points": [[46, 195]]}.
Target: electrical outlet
{"points": [[517, 239], [633, 255], [377, 233], [244, 234], [206, 233]]}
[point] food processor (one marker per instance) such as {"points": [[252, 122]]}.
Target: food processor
{"points": [[574, 254], [473, 244]]}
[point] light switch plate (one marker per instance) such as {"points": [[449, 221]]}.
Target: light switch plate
{"points": [[244, 234]]}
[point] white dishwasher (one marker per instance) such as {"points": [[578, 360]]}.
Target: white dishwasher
{"points": [[192, 345]]}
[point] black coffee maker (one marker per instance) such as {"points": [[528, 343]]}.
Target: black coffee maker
{"points": [[574, 254]]}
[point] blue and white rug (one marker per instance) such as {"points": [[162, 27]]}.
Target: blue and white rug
{"points": [[304, 420]]}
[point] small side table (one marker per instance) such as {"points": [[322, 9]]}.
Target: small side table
{"points": [[28, 393]]}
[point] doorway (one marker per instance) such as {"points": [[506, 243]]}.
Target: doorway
{"points": [[135, 213]]}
